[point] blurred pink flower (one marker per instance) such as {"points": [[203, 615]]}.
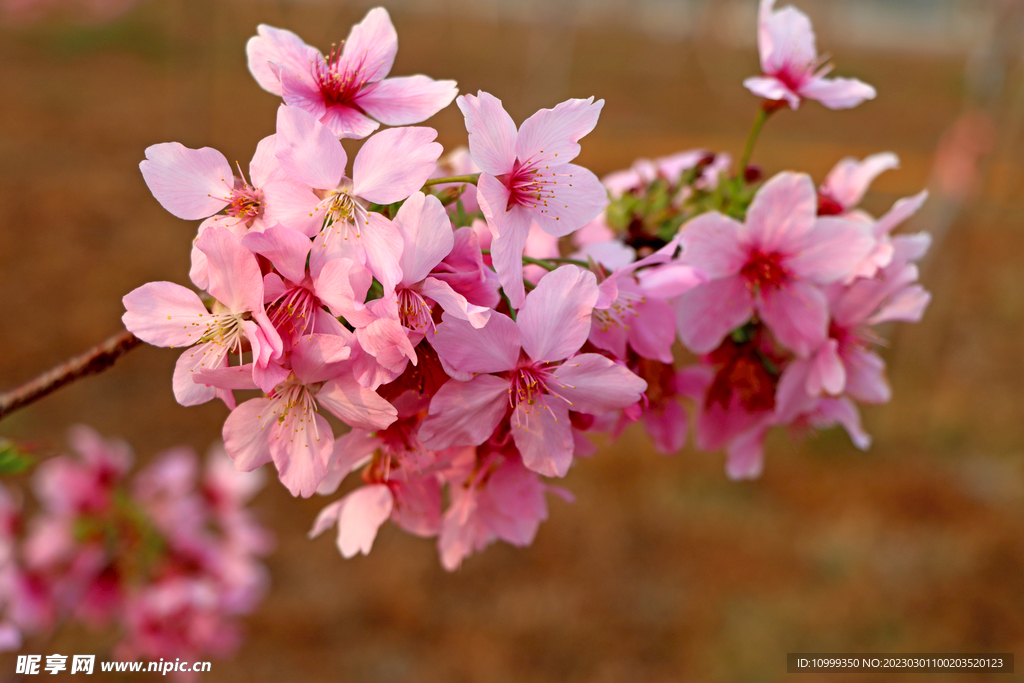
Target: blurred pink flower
{"points": [[792, 69]]}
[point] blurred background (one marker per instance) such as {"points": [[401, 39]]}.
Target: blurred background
{"points": [[663, 570]]}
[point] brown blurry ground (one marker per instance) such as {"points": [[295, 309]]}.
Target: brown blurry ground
{"points": [[662, 570]]}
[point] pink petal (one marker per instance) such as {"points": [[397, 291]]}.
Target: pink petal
{"points": [[307, 150], [235, 277], [357, 406], [911, 248], [386, 340], [342, 286], [907, 305], [841, 411], [543, 435], [316, 357], [426, 234], [394, 163], [612, 254], [264, 168], [900, 211], [348, 123], [280, 47], [667, 426], [711, 242], [791, 396], [507, 252], [797, 314], [351, 451], [595, 385], [287, 249], [492, 133], [233, 377], [198, 271], [247, 434], [648, 334], [371, 46], [827, 374], [406, 100], [465, 413], [552, 135], [300, 451], [294, 205], [574, 198], [326, 518], [454, 303], [514, 504], [671, 280], [785, 39], [838, 93], [364, 511], [745, 455], [849, 180], [771, 88], [865, 376], [300, 92], [706, 314], [210, 355], [555, 320], [491, 348], [189, 183], [165, 314], [417, 505], [831, 251], [382, 244], [265, 377], [782, 213]]}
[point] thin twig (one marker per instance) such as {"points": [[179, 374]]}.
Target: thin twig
{"points": [[95, 360]]}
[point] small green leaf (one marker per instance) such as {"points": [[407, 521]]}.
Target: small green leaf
{"points": [[12, 459]]}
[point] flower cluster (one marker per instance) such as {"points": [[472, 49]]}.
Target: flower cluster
{"points": [[464, 355], [168, 557]]}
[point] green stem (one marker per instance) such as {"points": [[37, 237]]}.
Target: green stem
{"points": [[511, 311], [546, 262], [762, 115], [470, 178]]}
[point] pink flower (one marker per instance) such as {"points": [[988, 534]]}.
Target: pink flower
{"points": [[845, 363], [773, 264], [848, 182], [286, 427], [388, 168], [166, 314], [790, 62], [306, 280], [390, 328], [517, 371], [526, 176], [634, 312], [347, 89], [497, 498], [197, 183]]}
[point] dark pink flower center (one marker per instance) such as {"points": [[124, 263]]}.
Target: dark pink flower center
{"points": [[529, 385], [764, 272], [532, 187], [245, 203], [292, 314], [792, 76], [413, 310], [338, 83]]}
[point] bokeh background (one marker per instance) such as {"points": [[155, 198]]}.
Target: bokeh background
{"points": [[663, 570]]}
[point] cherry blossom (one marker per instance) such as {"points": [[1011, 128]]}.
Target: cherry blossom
{"points": [[347, 90]]}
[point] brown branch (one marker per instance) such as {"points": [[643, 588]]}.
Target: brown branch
{"points": [[97, 359]]}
